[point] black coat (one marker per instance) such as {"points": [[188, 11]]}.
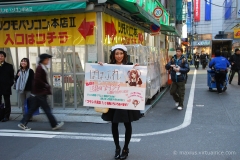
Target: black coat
{"points": [[6, 79], [196, 58], [121, 115], [236, 60], [40, 82], [29, 83]]}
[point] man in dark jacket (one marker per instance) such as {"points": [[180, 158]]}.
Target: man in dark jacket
{"points": [[6, 82], [41, 89], [220, 64], [178, 67], [196, 60], [235, 66], [203, 58]]}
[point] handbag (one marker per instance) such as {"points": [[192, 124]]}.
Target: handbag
{"points": [[26, 107], [2, 111], [101, 110]]}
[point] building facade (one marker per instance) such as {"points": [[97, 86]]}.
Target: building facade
{"points": [[231, 23], [79, 32], [206, 25]]}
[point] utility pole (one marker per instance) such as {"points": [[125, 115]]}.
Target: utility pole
{"points": [[192, 19]]}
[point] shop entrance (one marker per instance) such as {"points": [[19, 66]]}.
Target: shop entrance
{"points": [[66, 72]]}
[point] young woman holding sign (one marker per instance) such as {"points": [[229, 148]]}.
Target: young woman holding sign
{"points": [[119, 57]]}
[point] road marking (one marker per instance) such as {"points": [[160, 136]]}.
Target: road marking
{"points": [[188, 114], [107, 137], [63, 135], [26, 135]]}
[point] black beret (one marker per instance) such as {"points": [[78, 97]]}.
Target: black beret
{"points": [[236, 49], [44, 56]]}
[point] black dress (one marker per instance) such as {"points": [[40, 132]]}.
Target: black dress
{"points": [[121, 115]]}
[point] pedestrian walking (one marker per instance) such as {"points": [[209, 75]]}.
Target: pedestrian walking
{"points": [[118, 56], [23, 80], [6, 82], [41, 89], [203, 58], [235, 66], [196, 60], [178, 68], [220, 64]]}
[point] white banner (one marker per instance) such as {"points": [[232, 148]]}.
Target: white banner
{"points": [[115, 86]]}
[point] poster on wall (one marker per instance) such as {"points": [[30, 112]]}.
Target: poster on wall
{"points": [[115, 86], [57, 81]]}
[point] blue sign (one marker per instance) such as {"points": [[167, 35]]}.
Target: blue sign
{"points": [[154, 28], [208, 9], [228, 9], [189, 15]]}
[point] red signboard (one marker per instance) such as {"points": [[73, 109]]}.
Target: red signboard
{"points": [[197, 6]]}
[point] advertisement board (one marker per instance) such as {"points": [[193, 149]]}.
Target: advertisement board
{"points": [[55, 30], [115, 86]]}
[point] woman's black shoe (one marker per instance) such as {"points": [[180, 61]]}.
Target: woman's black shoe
{"points": [[124, 154], [117, 153]]}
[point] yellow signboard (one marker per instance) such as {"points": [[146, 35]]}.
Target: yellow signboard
{"points": [[56, 30], [237, 33], [119, 32]]}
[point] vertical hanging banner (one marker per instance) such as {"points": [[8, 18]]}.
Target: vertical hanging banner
{"points": [[197, 5], [189, 16], [238, 9], [228, 9], [208, 9]]}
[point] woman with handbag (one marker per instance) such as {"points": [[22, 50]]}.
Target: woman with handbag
{"points": [[118, 56], [23, 81]]}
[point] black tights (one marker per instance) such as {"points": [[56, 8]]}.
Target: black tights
{"points": [[128, 134]]}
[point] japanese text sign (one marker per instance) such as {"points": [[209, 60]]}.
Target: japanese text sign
{"points": [[119, 32], [56, 30], [236, 33], [115, 86]]}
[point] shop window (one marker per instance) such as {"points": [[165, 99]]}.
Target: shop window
{"points": [[80, 58], [56, 60], [33, 54], [44, 50], [68, 59], [22, 53]]}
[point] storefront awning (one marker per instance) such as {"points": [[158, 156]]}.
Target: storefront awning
{"points": [[136, 11], [36, 7], [169, 30]]}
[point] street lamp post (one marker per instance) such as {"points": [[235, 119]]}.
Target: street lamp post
{"points": [[192, 19]]}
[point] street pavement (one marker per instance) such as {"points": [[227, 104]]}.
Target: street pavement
{"points": [[207, 129]]}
